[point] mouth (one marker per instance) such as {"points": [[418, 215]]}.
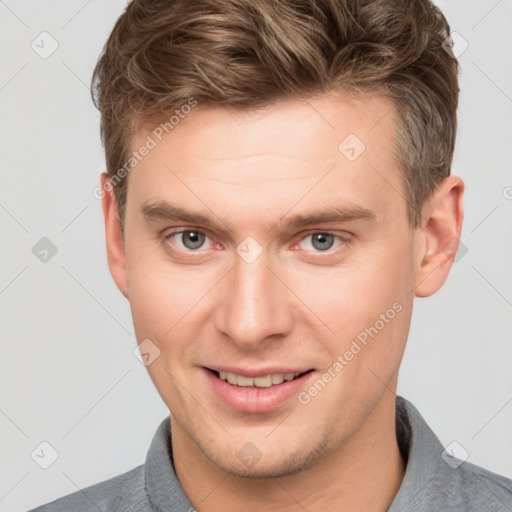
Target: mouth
{"points": [[264, 381], [258, 391]]}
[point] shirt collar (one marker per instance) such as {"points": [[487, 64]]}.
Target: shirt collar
{"points": [[422, 451], [162, 485]]}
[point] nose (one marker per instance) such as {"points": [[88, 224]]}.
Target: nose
{"points": [[254, 306]]}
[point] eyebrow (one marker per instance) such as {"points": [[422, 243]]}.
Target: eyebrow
{"points": [[163, 210]]}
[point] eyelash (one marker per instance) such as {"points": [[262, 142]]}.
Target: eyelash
{"points": [[340, 239]]}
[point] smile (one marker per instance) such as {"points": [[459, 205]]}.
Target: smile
{"points": [[264, 391]]}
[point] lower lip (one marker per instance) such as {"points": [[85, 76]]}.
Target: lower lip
{"points": [[256, 400]]}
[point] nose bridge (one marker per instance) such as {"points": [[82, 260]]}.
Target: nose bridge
{"points": [[254, 305]]}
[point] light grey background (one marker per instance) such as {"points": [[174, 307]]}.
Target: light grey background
{"points": [[68, 375]]}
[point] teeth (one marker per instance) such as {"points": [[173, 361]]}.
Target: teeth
{"points": [[232, 378], [277, 379], [239, 381], [259, 382]]}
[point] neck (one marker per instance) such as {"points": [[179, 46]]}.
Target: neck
{"points": [[364, 473]]}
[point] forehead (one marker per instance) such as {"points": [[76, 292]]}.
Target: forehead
{"points": [[213, 132], [325, 150]]}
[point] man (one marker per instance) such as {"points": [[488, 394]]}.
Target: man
{"points": [[278, 192]]}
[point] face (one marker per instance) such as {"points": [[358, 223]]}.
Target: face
{"points": [[267, 243]]}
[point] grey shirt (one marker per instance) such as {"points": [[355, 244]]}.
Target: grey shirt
{"points": [[434, 481]]}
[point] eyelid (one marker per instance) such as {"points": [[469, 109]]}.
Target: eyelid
{"points": [[310, 232], [175, 231]]}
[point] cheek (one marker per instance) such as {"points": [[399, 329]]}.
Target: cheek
{"points": [[351, 299], [154, 294], [382, 310], [169, 303], [352, 295], [165, 309]]}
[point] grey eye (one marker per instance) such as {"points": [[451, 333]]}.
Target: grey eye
{"points": [[192, 239], [322, 241]]}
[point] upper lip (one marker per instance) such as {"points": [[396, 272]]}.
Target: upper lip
{"points": [[260, 372]]}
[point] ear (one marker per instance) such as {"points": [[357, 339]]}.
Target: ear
{"points": [[113, 237], [439, 235]]}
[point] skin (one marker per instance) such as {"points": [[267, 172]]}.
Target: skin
{"points": [[295, 305]]}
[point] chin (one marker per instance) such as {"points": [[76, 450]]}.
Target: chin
{"points": [[249, 462]]}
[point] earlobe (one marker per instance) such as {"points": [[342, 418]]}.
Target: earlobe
{"points": [[116, 256], [439, 235]]}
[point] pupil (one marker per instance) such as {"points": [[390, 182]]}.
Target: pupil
{"points": [[323, 241], [192, 239]]}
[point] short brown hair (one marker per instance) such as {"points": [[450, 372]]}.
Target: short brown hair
{"points": [[246, 54]]}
